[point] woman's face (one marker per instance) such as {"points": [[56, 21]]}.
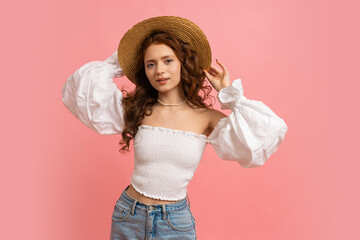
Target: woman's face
{"points": [[162, 67]]}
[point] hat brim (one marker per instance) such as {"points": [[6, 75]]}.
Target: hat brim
{"points": [[181, 28]]}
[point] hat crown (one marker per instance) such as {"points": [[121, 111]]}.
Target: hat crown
{"points": [[183, 29]]}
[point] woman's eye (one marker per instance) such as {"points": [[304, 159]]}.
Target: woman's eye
{"points": [[168, 60], [149, 65]]}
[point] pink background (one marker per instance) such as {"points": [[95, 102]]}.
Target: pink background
{"points": [[60, 180]]}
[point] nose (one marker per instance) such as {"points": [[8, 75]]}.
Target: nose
{"points": [[160, 69]]}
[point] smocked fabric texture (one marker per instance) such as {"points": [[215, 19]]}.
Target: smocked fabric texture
{"points": [[166, 159]]}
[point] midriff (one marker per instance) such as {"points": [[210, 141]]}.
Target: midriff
{"points": [[131, 191]]}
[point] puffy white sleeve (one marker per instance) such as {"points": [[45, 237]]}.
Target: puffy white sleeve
{"points": [[91, 95], [251, 133]]}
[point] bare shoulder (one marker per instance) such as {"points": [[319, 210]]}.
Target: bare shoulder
{"points": [[213, 116], [208, 118]]}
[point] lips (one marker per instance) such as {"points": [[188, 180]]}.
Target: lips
{"points": [[162, 79]]}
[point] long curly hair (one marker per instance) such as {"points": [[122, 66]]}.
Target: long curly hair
{"points": [[138, 103]]}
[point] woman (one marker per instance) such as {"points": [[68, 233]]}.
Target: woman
{"points": [[168, 58]]}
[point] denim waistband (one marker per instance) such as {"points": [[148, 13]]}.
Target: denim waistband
{"points": [[133, 203]]}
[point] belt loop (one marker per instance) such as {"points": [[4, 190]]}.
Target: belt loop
{"points": [[133, 207], [187, 196], [163, 211]]}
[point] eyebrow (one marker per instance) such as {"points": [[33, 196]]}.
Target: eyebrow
{"points": [[152, 60]]}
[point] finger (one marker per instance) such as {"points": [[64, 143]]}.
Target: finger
{"points": [[217, 70], [221, 65], [214, 68], [207, 74], [213, 72]]}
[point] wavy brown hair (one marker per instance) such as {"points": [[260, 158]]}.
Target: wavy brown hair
{"points": [[138, 103]]}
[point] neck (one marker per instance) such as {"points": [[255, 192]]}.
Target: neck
{"points": [[171, 99], [167, 104]]}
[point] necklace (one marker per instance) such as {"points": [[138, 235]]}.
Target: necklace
{"points": [[172, 104]]}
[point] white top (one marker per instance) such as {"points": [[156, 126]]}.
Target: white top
{"points": [[166, 159]]}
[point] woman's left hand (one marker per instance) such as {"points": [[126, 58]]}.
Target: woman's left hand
{"points": [[218, 79]]}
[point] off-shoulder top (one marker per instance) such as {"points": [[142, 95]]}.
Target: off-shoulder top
{"points": [[165, 158]]}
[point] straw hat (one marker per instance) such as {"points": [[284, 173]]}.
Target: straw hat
{"points": [[181, 28]]}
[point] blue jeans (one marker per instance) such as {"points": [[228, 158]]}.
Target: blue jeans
{"points": [[132, 219]]}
